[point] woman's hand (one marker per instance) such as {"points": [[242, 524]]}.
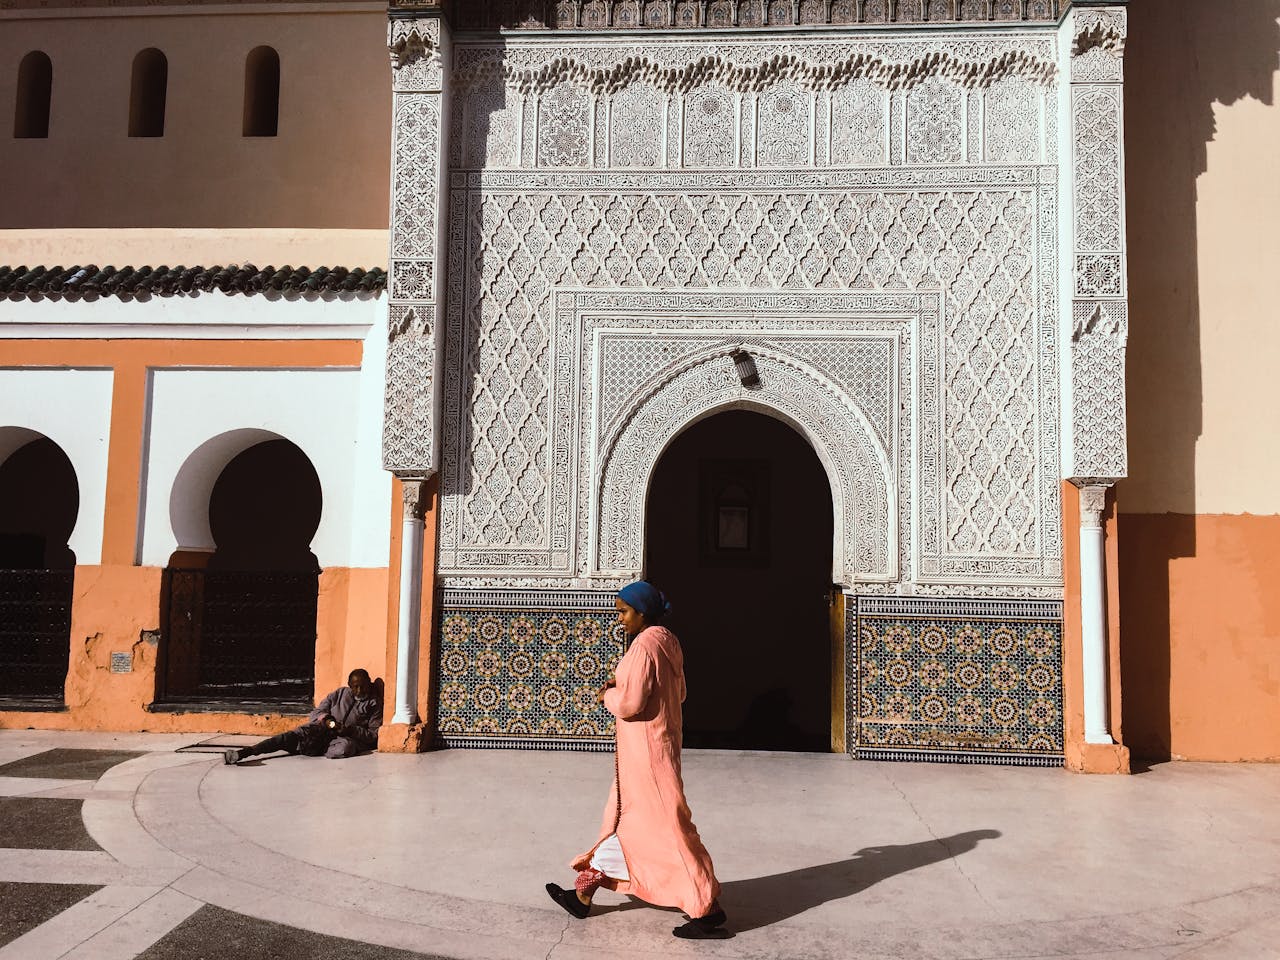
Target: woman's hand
{"points": [[611, 682]]}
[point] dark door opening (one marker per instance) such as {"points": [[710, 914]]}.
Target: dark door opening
{"points": [[241, 630], [39, 503], [738, 534]]}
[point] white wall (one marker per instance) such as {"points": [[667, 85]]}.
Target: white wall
{"points": [[371, 485], [208, 316], [198, 420], [73, 409]]}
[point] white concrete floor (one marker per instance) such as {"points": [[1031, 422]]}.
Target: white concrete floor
{"points": [[820, 856]]}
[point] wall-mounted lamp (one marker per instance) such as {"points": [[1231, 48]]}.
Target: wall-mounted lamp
{"points": [[746, 367]]}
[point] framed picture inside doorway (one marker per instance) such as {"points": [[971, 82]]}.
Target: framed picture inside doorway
{"points": [[733, 512]]}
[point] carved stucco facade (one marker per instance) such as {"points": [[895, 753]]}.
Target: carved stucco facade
{"points": [[827, 173], [1100, 315], [916, 235], [419, 57]]}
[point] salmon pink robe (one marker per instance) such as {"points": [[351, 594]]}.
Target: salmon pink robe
{"points": [[667, 862]]}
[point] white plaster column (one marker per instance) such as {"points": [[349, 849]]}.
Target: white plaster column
{"points": [[410, 603], [1093, 613]]}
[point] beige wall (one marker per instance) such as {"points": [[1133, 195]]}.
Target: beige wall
{"points": [[1199, 532], [196, 246], [1203, 145], [327, 168]]}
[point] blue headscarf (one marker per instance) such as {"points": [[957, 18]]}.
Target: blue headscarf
{"points": [[647, 599]]}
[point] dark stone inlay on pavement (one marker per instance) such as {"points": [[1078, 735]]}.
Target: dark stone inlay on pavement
{"points": [[212, 933], [24, 906], [43, 823], [60, 764]]}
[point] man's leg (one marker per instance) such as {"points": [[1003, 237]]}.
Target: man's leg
{"points": [[287, 741], [340, 747]]}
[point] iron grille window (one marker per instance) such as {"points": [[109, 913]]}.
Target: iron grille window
{"points": [[35, 633], [240, 637]]}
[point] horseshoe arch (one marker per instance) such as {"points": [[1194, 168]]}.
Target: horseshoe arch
{"points": [[863, 485]]}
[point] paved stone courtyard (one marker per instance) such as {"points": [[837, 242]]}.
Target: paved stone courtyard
{"points": [[130, 845]]}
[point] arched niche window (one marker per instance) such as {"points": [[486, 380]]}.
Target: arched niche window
{"points": [[261, 92], [147, 93], [35, 87]]}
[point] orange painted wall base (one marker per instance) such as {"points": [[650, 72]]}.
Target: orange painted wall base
{"points": [[404, 738], [351, 618], [116, 609], [1097, 758], [1201, 647]]}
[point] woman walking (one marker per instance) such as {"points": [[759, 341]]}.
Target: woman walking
{"points": [[648, 845]]}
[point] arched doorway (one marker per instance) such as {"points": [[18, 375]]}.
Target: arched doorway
{"points": [[39, 503], [240, 623], [739, 535]]}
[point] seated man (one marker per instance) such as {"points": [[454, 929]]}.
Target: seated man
{"points": [[342, 724]]}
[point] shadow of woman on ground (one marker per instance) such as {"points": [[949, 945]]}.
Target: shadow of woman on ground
{"points": [[761, 901]]}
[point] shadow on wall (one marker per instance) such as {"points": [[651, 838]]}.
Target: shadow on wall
{"points": [[1183, 58]]}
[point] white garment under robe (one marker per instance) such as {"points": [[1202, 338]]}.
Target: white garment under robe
{"points": [[608, 859]]}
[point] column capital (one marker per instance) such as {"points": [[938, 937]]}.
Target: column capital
{"points": [[1093, 502], [411, 498]]}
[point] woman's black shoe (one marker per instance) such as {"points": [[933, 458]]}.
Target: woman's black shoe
{"points": [[709, 927], [569, 900], [695, 931]]}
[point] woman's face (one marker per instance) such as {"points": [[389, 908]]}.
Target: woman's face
{"points": [[632, 620]]}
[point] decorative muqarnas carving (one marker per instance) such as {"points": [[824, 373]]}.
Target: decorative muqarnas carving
{"points": [[1103, 30], [914, 64], [1097, 52], [720, 14], [416, 54], [813, 102]]}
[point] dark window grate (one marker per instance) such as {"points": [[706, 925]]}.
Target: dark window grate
{"points": [[240, 636], [35, 633]]}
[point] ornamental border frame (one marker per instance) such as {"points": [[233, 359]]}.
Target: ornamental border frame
{"points": [[857, 517]]}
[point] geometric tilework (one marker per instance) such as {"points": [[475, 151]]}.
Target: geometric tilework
{"points": [[521, 668], [962, 681]]}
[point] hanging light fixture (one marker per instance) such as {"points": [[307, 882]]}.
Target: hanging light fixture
{"points": [[746, 367]]}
